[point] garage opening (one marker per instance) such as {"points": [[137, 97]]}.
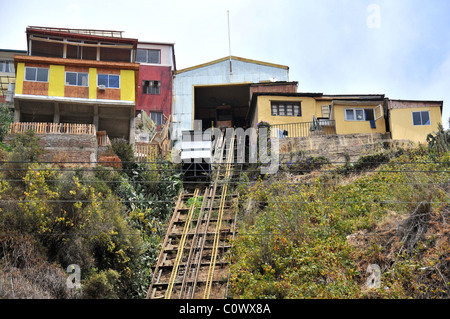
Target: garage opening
{"points": [[222, 105]]}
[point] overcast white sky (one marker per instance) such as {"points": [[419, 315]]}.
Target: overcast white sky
{"points": [[400, 48]]}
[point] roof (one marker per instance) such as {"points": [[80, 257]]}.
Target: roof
{"points": [[354, 96], [103, 33], [274, 83], [233, 58], [97, 35], [287, 94], [156, 43], [13, 51]]}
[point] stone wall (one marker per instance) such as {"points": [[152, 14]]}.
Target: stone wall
{"points": [[338, 148], [69, 147]]}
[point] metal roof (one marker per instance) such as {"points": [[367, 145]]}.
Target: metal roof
{"points": [[227, 58]]}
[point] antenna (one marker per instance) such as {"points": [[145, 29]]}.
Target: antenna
{"points": [[229, 40]]}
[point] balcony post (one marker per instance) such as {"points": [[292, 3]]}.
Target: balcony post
{"points": [[56, 115]]}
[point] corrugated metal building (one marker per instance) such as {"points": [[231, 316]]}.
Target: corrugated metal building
{"points": [[220, 88]]}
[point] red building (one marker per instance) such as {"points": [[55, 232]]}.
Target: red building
{"points": [[154, 90]]}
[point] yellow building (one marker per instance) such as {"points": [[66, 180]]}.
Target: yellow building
{"points": [[414, 120], [78, 77], [358, 116], [307, 114]]}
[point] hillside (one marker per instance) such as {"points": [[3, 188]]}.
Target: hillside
{"points": [[107, 221], [377, 228], [311, 231]]}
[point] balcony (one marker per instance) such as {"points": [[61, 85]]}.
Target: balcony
{"points": [[319, 127]]}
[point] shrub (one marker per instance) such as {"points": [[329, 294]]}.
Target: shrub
{"points": [[125, 151], [6, 119], [439, 142], [101, 285]]}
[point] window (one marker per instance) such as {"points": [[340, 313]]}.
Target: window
{"points": [[326, 111], [7, 66], [355, 115], [364, 114], [36, 74], [151, 87], [148, 56], [286, 109], [109, 80], [76, 78], [421, 118], [157, 118]]}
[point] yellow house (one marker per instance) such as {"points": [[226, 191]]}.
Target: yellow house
{"points": [[294, 114], [290, 114], [58, 90], [78, 76], [358, 116], [414, 120], [307, 114]]}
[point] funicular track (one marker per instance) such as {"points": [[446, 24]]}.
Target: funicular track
{"points": [[192, 263]]}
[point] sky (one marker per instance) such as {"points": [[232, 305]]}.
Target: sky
{"points": [[400, 48]]}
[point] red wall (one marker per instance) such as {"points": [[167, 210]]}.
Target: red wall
{"points": [[149, 102]]}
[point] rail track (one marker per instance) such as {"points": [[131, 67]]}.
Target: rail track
{"points": [[192, 263]]}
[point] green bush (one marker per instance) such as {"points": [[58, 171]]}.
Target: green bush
{"points": [[439, 142], [6, 118], [101, 285]]}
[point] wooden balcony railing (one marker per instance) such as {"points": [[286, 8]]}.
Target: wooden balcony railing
{"points": [[52, 128]]}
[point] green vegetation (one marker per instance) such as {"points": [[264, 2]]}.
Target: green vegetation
{"points": [[311, 231], [107, 221], [316, 240]]}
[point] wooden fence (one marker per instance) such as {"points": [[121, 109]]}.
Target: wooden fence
{"points": [[52, 128], [103, 139], [146, 151], [158, 146]]}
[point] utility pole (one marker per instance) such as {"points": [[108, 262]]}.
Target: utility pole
{"points": [[229, 41]]}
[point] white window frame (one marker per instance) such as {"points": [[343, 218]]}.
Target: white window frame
{"points": [[377, 113], [78, 74], [354, 114], [378, 108], [421, 121], [35, 80], [108, 75], [326, 110]]}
